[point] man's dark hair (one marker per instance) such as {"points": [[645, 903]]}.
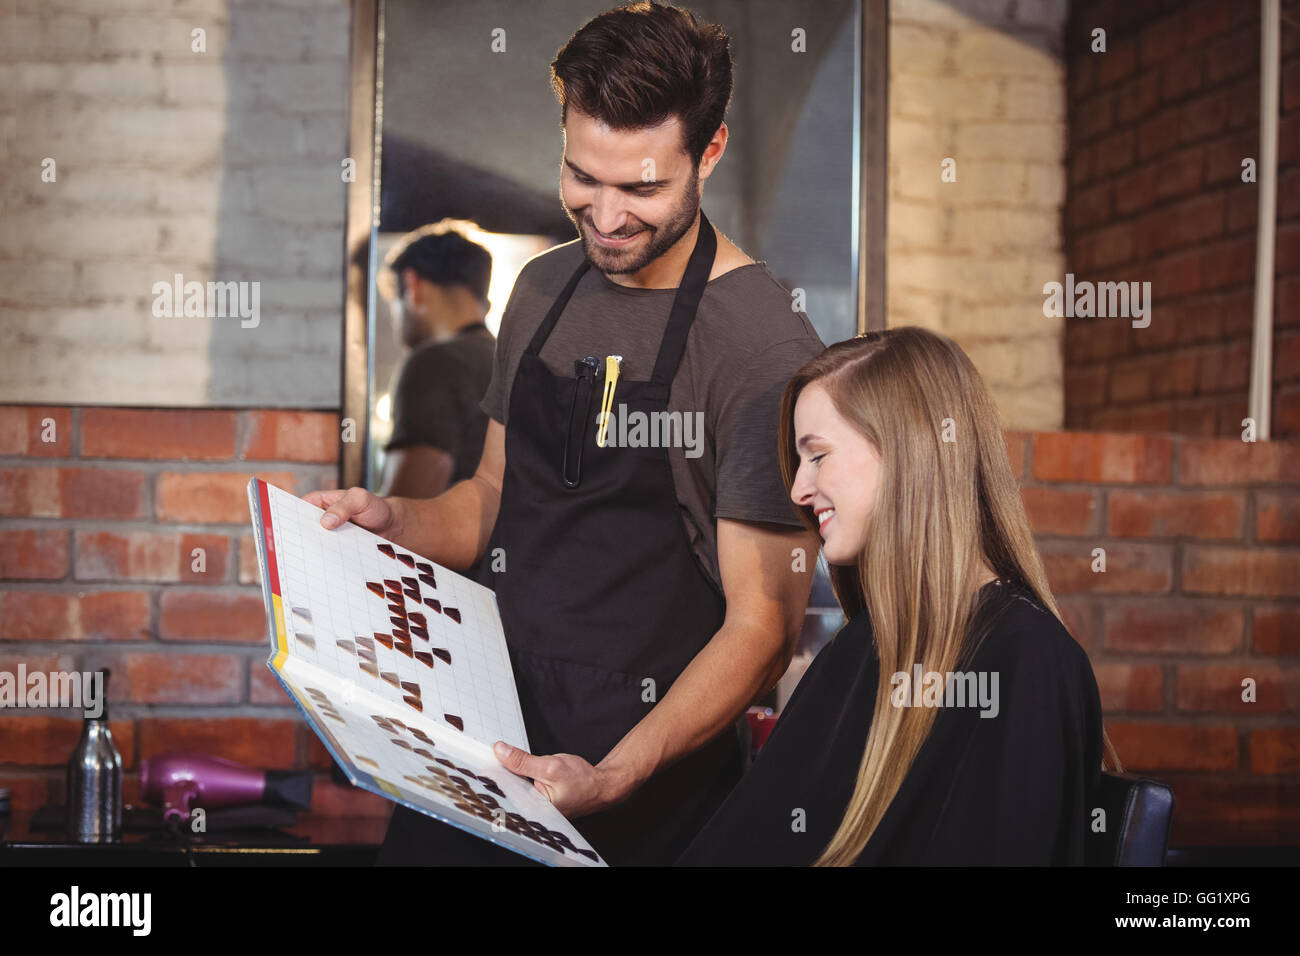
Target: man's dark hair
{"points": [[440, 253], [637, 65]]}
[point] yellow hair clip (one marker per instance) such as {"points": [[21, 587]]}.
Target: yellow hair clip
{"points": [[612, 365]]}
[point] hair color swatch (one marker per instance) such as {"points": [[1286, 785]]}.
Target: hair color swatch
{"points": [[362, 632]]}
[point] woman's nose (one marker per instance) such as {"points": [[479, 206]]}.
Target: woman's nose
{"points": [[801, 490]]}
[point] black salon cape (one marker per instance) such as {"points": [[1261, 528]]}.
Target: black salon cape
{"points": [[1012, 789]]}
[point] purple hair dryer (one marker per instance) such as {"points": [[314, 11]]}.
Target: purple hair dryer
{"points": [[181, 781]]}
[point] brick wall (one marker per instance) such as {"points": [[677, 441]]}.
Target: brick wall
{"points": [[1201, 589], [983, 84], [218, 164], [1159, 125], [102, 511], [1201, 540]]}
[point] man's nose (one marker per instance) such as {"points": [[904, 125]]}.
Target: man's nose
{"points": [[606, 211]]}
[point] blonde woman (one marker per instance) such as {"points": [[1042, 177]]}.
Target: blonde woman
{"points": [[953, 720]]}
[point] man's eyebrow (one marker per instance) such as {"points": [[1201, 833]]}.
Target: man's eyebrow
{"points": [[637, 184]]}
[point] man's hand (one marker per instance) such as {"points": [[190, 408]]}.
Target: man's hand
{"points": [[575, 787], [358, 506]]}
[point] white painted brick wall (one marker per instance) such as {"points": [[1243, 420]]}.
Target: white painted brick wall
{"points": [[221, 165], [225, 166], [982, 82]]}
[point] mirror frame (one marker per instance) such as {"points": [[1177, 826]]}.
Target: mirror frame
{"points": [[365, 126]]}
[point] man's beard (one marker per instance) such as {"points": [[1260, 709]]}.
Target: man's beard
{"points": [[662, 237]]}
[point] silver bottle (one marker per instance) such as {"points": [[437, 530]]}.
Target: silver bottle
{"points": [[95, 783]]}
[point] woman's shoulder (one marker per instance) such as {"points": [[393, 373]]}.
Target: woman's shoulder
{"points": [[1024, 633], [1018, 633], [846, 657]]}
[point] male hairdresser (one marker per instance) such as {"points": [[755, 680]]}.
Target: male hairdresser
{"points": [[649, 590]]}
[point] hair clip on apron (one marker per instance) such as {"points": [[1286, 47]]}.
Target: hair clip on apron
{"points": [[612, 364], [586, 371]]}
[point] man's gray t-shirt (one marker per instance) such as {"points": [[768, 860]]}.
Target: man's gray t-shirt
{"points": [[437, 393], [744, 346]]}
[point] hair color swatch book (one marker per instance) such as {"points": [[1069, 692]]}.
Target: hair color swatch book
{"points": [[400, 666]]}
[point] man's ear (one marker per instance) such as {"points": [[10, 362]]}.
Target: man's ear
{"points": [[412, 294], [713, 152]]}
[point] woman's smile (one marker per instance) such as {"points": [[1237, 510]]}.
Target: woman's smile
{"points": [[823, 518]]}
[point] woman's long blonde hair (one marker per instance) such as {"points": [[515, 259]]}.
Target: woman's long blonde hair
{"points": [[946, 502]]}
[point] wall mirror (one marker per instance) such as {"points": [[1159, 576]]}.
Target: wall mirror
{"points": [[443, 125]]}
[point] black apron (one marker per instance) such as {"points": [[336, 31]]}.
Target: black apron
{"points": [[602, 599]]}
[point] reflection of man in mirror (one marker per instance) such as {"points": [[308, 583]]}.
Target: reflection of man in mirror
{"points": [[436, 283], [650, 586]]}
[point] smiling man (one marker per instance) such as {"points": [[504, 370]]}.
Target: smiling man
{"points": [[649, 593]]}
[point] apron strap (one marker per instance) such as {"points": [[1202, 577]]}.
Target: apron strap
{"points": [[685, 303], [553, 316]]}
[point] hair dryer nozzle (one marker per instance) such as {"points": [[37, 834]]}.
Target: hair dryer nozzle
{"points": [[288, 788]]}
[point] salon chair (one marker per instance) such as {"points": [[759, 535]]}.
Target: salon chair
{"points": [[1139, 812]]}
